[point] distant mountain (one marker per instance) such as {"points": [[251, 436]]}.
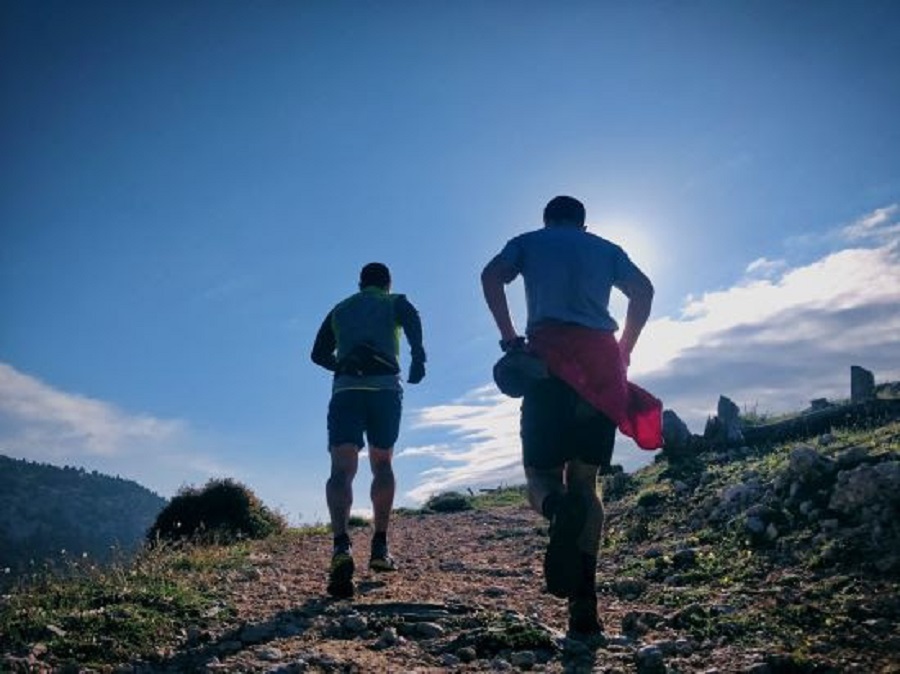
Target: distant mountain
{"points": [[50, 515]]}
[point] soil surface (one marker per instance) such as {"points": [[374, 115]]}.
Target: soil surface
{"points": [[469, 596]]}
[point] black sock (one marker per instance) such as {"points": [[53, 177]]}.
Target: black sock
{"points": [[550, 504], [379, 538], [342, 543]]}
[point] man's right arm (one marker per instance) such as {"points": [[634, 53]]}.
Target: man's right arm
{"points": [[639, 291], [325, 345], [496, 274]]}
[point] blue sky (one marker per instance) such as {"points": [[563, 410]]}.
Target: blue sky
{"points": [[187, 188]]}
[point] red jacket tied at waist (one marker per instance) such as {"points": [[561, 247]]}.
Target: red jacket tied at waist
{"points": [[590, 362]]}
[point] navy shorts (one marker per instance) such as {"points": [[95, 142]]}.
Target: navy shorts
{"points": [[558, 425], [355, 412]]}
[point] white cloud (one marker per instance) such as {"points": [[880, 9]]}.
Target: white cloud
{"points": [[878, 225], [485, 449], [770, 344], [765, 267], [40, 419], [431, 451], [41, 423], [774, 310]]}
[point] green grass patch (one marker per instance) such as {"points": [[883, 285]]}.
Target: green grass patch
{"points": [[500, 497], [97, 616]]}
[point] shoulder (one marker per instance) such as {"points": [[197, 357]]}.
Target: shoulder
{"points": [[531, 235], [345, 302], [401, 301], [607, 245], [521, 242]]}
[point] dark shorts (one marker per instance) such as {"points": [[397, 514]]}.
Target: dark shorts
{"points": [[353, 413], [558, 425]]}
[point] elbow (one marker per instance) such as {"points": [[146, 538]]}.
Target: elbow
{"points": [[486, 276], [646, 290], [491, 280], [642, 297], [319, 359]]}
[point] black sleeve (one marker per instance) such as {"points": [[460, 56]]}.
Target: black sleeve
{"points": [[408, 318], [326, 343]]}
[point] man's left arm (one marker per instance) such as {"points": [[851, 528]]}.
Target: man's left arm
{"points": [[639, 291], [408, 318]]}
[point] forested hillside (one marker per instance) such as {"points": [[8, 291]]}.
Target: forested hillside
{"points": [[52, 515]]}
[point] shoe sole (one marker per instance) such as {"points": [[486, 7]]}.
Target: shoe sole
{"points": [[562, 566], [382, 565], [340, 578]]}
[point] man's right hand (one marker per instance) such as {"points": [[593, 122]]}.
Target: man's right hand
{"points": [[416, 371], [625, 352]]}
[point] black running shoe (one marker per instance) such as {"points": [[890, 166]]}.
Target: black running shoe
{"points": [[562, 562], [340, 576]]}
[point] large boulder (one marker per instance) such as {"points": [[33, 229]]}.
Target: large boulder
{"points": [[725, 427], [676, 436]]}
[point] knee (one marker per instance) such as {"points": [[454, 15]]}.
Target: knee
{"points": [[596, 512], [382, 470], [340, 477]]}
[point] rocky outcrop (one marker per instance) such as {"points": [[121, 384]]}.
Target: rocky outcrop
{"points": [[870, 405], [725, 427], [848, 505]]}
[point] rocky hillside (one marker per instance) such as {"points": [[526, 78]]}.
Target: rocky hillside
{"points": [[48, 514], [764, 560]]}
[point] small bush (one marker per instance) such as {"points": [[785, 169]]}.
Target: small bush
{"points": [[357, 521], [223, 511], [449, 502], [652, 497]]}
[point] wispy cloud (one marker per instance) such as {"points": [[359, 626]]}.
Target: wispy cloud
{"points": [[880, 224], [40, 419], [765, 268], [484, 450], [41, 423], [777, 338]]}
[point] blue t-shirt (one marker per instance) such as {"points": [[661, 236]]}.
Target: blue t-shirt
{"points": [[569, 274]]}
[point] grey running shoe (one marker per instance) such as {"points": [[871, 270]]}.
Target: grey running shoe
{"points": [[381, 559], [340, 576], [562, 561]]}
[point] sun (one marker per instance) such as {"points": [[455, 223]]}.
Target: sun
{"points": [[635, 239]]}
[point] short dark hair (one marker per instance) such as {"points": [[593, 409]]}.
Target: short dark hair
{"points": [[564, 209], [375, 274]]}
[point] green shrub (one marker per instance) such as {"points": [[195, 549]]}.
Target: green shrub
{"points": [[651, 497], [223, 511], [357, 521], [448, 502]]}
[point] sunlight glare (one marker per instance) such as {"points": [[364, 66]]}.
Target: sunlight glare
{"points": [[637, 241]]}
